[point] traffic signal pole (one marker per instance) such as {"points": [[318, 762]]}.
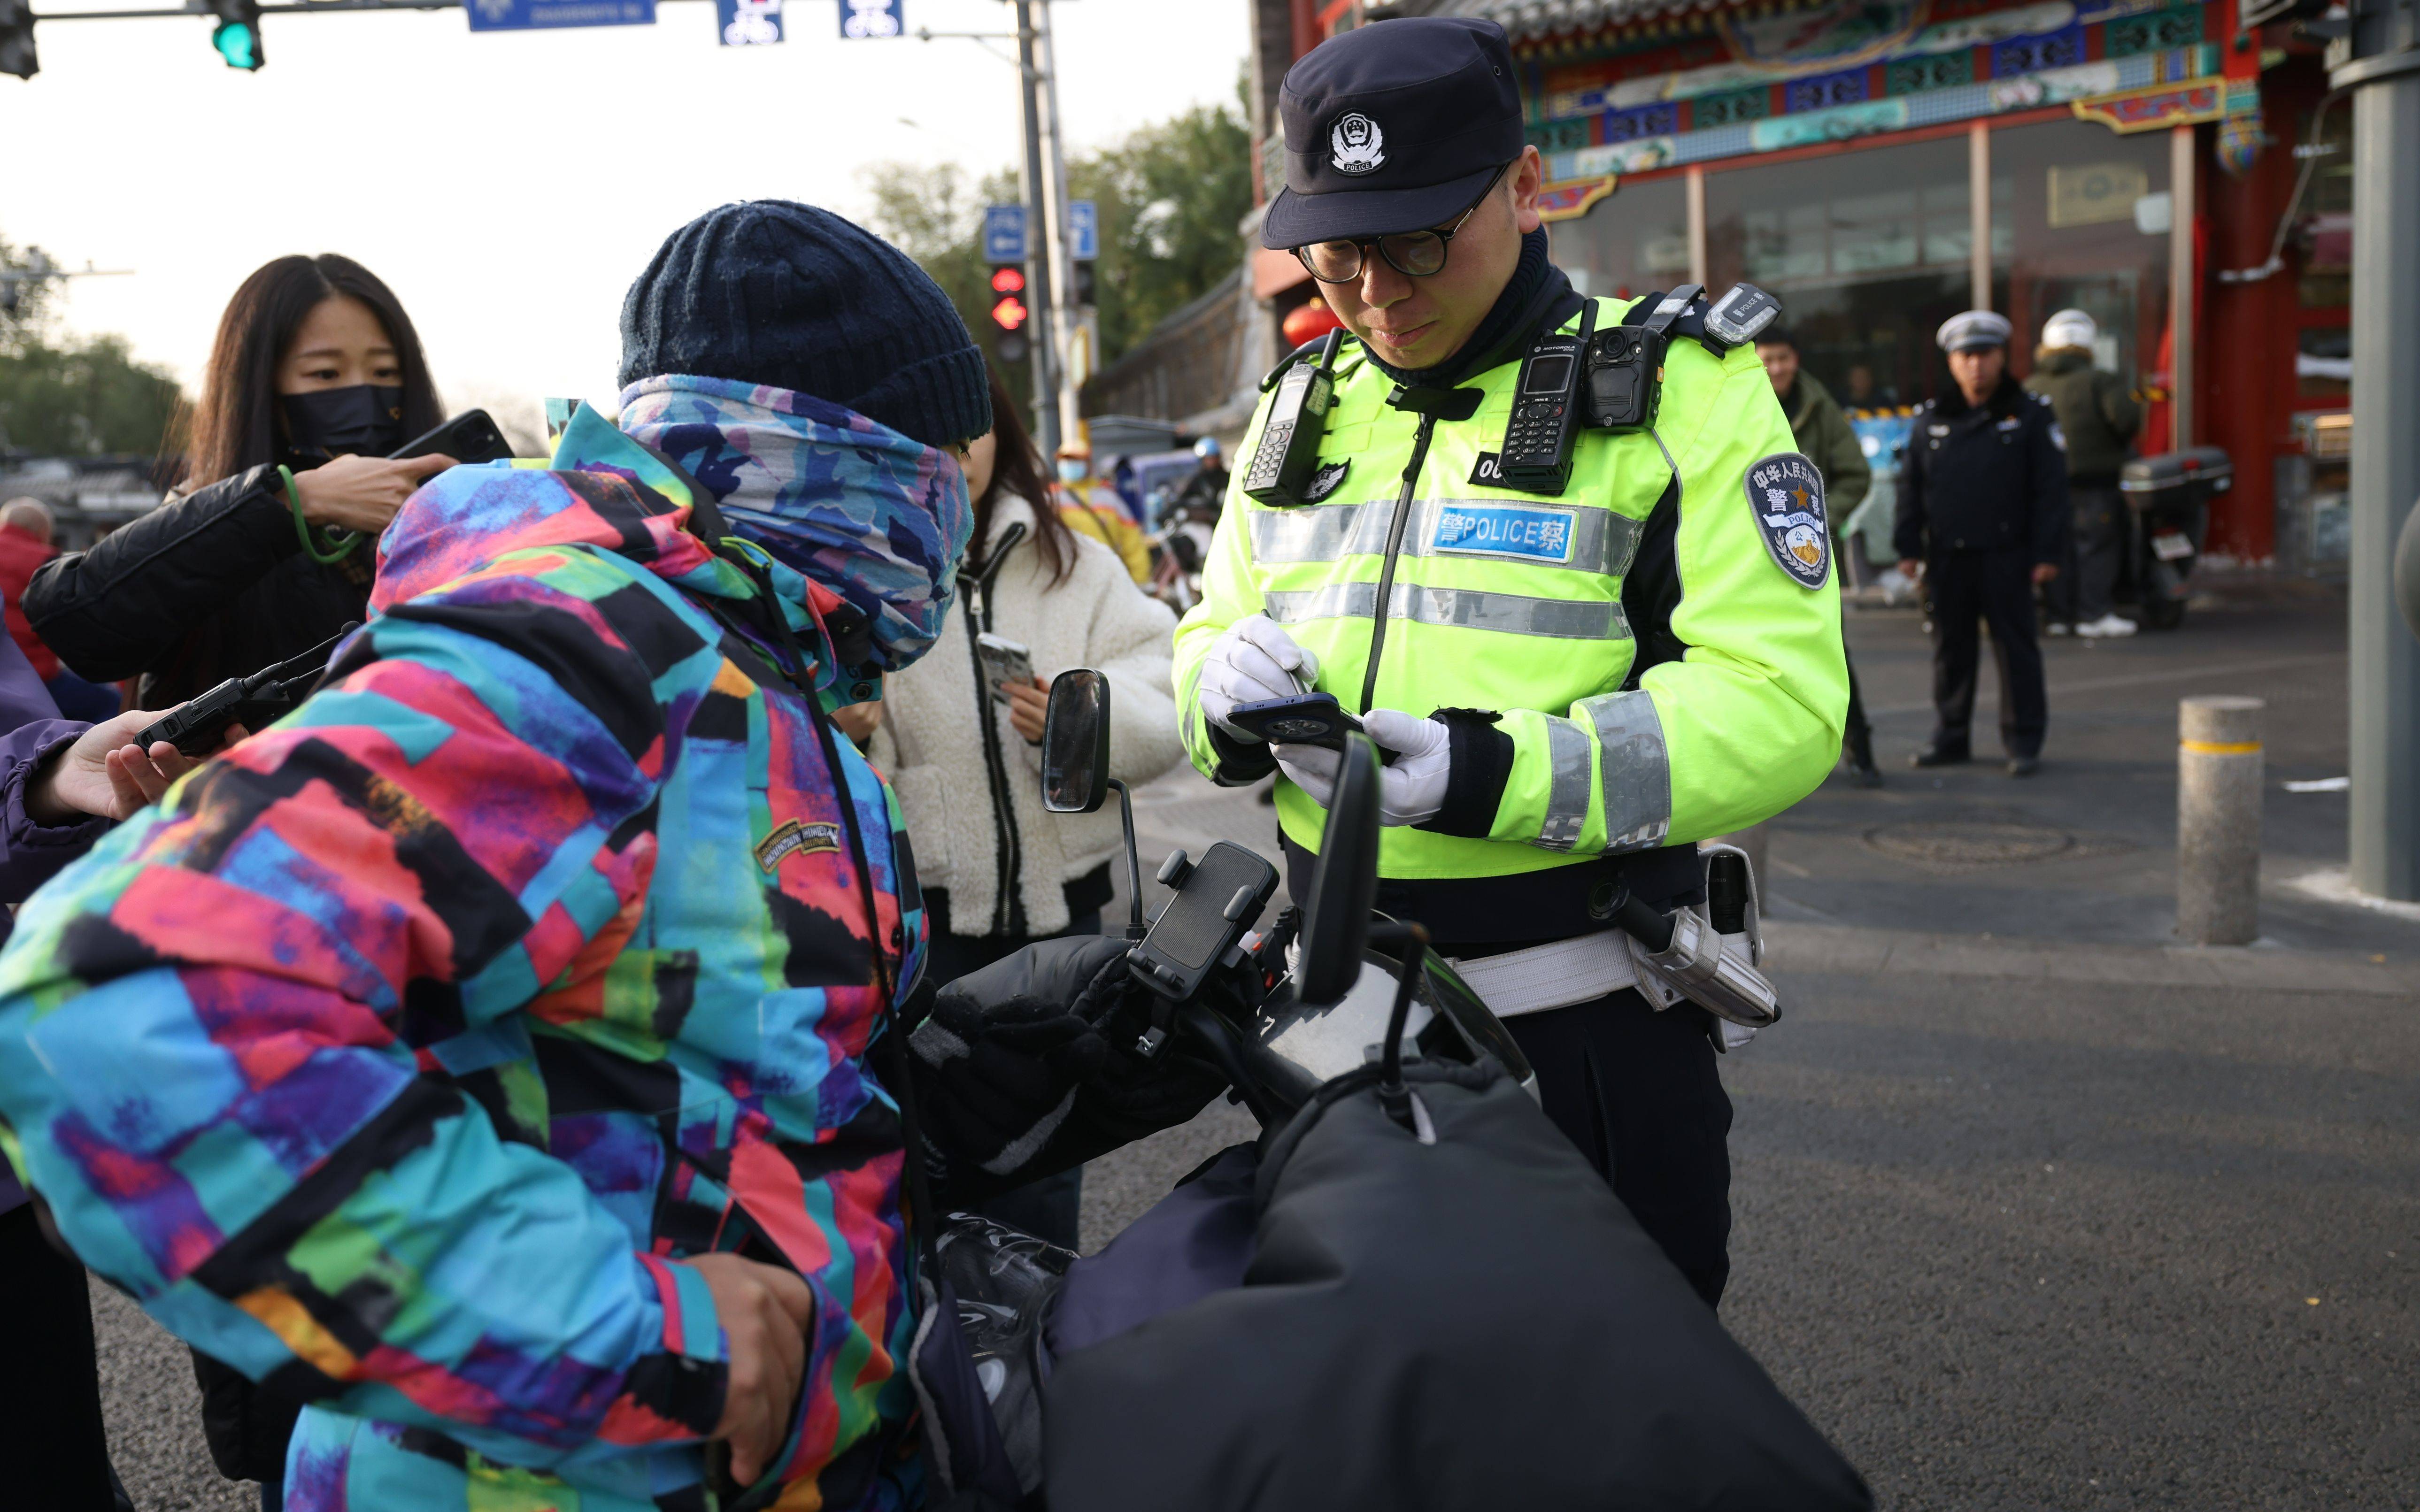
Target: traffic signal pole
{"points": [[1039, 240], [1071, 414], [2384, 72]]}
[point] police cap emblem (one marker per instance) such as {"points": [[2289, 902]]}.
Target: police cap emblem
{"points": [[1356, 144], [1785, 495]]}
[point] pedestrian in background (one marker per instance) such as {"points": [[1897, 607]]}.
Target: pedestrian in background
{"points": [[265, 548], [1827, 439], [1982, 513], [2097, 417], [999, 871], [1092, 508], [25, 528]]}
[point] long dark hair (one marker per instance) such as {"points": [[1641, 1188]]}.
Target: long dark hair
{"points": [[1016, 469], [234, 425]]}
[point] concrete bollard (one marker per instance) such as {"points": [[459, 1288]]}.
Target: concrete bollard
{"points": [[2219, 773]]}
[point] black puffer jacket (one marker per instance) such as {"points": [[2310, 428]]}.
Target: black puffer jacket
{"points": [[211, 586], [1983, 478]]}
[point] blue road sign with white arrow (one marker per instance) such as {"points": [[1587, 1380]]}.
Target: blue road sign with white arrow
{"points": [[1003, 233], [1083, 230]]}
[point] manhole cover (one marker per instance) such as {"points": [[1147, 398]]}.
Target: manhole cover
{"points": [[1966, 843]]}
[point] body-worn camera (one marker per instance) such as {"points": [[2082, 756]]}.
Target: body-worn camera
{"points": [[1288, 452], [1625, 366], [1625, 379]]}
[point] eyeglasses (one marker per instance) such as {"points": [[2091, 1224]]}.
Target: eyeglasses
{"points": [[1412, 253]]}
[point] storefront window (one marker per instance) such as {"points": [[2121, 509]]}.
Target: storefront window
{"points": [[1633, 240], [2086, 215], [1868, 250]]}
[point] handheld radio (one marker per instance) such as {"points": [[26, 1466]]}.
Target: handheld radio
{"points": [[1288, 452], [1545, 419]]}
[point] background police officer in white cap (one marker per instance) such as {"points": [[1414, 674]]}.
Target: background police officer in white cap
{"points": [[1982, 506], [1579, 682]]}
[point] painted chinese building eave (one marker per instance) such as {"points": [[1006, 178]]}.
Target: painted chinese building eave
{"points": [[1728, 81]]}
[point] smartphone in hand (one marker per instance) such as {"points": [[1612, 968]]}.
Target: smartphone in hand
{"points": [[1004, 661]]}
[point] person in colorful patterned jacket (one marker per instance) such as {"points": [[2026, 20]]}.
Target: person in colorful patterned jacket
{"points": [[485, 1052]]}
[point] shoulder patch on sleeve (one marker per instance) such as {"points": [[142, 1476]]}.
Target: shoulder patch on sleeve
{"points": [[1785, 496]]}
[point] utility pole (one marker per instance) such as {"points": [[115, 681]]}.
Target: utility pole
{"points": [[1071, 418], [1041, 235], [2379, 62]]}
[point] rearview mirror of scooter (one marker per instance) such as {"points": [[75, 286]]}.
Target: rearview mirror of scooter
{"points": [[1075, 766], [1336, 921], [1076, 743]]}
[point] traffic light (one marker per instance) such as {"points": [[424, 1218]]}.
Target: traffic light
{"points": [[1009, 311], [17, 38], [237, 34], [1084, 283]]}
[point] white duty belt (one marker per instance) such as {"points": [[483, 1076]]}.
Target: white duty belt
{"points": [[1555, 975]]}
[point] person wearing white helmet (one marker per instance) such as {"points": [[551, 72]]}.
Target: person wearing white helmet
{"points": [[2097, 417]]}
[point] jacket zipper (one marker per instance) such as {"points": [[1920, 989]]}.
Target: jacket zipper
{"points": [[1008, 904], [1394, 545]]}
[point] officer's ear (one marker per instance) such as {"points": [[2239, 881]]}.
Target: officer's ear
{"points": [[1527, 177]]}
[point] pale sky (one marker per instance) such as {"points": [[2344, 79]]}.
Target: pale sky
{"points": [[509, 186]]}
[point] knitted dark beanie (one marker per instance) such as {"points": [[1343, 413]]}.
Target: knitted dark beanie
{"points": [[772, 292]]}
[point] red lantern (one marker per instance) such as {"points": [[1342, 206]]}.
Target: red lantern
{"points": [[1310, 320]]}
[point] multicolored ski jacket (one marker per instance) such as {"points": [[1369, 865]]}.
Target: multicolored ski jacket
{"points": [[395, 1053]]}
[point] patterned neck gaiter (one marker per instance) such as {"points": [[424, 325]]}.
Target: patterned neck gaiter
{"points": [[878, 519]]}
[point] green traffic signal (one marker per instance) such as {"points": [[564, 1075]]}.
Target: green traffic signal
{"points": [[239, 42]]}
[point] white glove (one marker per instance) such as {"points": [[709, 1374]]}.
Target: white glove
{"points": [[1254, 661], [1734, 1035], [1409, 792]]}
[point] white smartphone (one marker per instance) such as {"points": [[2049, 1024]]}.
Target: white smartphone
{"points": [[1004, 661]]}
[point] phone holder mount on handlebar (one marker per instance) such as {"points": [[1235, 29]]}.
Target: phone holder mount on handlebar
{"points": [[1280, 1022]]}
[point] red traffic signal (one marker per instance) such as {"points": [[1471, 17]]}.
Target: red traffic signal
{"points": [[1008, 309]]}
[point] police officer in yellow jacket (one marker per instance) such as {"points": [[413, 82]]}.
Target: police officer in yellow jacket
{"points": [[1577, 685]]}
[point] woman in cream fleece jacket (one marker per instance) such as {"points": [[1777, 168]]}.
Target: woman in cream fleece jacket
{"points": [[998, 869]]}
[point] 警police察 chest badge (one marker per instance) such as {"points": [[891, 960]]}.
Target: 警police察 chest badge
{"points": [[1785, 494]]}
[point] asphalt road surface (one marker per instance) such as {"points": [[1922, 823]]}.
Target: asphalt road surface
{"points": [[2025, 1225]]}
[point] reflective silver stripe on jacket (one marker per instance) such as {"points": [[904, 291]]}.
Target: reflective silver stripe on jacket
{"points": [[1567, 792], [1602, 540], [1562, 619], [1638, 780]]}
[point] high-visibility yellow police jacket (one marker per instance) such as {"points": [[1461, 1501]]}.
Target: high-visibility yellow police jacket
{"points": [[1662, 640]]}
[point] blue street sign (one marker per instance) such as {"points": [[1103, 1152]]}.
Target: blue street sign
{"points": [[1003, 233], [528, 15], [873, 18], [1083, 230], [748, 22]]}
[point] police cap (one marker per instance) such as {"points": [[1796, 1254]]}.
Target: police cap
{"points": [[1973, 329], [1392, 127]]}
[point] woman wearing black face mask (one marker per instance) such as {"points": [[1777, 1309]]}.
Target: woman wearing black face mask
{"points": [[268, 545]]}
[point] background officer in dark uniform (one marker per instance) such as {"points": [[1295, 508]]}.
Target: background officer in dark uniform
{"points": [[1982, 505]]}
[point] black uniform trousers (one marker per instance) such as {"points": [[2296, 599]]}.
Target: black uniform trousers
{"points": [[1637, 1092], [1996, 588]]}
